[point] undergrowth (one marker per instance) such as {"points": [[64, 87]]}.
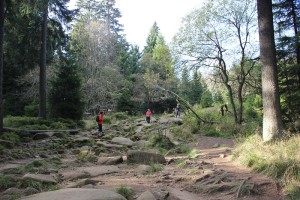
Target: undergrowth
{"points": [[279, 159]]}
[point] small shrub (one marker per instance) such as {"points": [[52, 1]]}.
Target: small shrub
{"points": [[161, 142], [155, 168], [31, 110], [7, 182], [120, 115], [35, 165], [183, 133], [38, 185], [31, 183], [125, 191], [11, 136]]}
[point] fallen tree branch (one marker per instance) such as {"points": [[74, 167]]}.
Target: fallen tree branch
{"points": [[187, 105]]}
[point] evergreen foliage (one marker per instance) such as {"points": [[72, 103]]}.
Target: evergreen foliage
{"points": [[65, 97]]}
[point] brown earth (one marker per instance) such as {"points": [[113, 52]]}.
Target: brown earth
{"points": [[210, 175]]}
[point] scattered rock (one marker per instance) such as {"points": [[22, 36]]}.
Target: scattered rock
{"points": [[43, 135], [77, 194], [30, 191], [146, 196], [100, 170], [40, 177], [110, 160], [122, 141]]}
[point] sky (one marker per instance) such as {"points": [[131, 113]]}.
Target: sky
{"points": [[138, 17]]}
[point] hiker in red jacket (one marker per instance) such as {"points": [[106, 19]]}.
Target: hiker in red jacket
{"points": [[148, 116], [99, 119]]}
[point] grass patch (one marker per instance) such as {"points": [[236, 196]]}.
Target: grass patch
{"points": [[125, 191], [11, 137], [279, 159], [161, 142], [36, 123], [155, 168], [7, 182], [183, 133]]}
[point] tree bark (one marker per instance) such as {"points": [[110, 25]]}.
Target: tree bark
{"points": [[272, 123], [2, 10], [42, 89]]}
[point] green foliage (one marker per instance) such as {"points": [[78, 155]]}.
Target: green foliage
{"points": [[31, 110], [196, 89], [35, 166], [125, 191], [7, 182], [31, 183], [161, 142], [36, 123], [183, 133], [253, 107], [11, 136], [120, 115], [180, 149], [206, 99], [124, 103], [65, 96]]}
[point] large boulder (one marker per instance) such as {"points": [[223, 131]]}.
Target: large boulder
{"points": [[77, 194], [142, 157]]}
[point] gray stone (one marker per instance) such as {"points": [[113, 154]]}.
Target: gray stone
{"points": [[9, 168], [72, 175], [30, 191], [77, 194], [100, 170], [122, 141], [108, 145], [110, 160], [41, 136], [176, 194], [141, 143], [40, 177], [144, 169], [11, 191], [146, 196]]}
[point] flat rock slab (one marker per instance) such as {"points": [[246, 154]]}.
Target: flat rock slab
{"points": [[77, 194], [100, 170], [9, 167], [40, 177], [122, 141], [176, 194]]}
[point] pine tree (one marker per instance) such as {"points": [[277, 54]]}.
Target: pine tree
{"points": [[196, 88], [65, 98]]}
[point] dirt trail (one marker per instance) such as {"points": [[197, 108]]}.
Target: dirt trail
{"points": [[211, 175]]}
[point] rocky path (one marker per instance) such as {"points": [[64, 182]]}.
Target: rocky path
{"points": [[85, 167]]}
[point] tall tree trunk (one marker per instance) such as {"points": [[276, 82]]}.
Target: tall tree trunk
{"points": [[297, 40], [42, 89], [2, 5], [272, 123]]}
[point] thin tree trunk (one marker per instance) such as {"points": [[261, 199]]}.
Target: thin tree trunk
{"points": [[272, 123], [42, 89], [2, 10]]}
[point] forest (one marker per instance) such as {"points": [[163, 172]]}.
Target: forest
{"points": [[233, 67]]}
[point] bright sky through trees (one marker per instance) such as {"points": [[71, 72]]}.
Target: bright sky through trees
{"points": [[139, 15]]}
